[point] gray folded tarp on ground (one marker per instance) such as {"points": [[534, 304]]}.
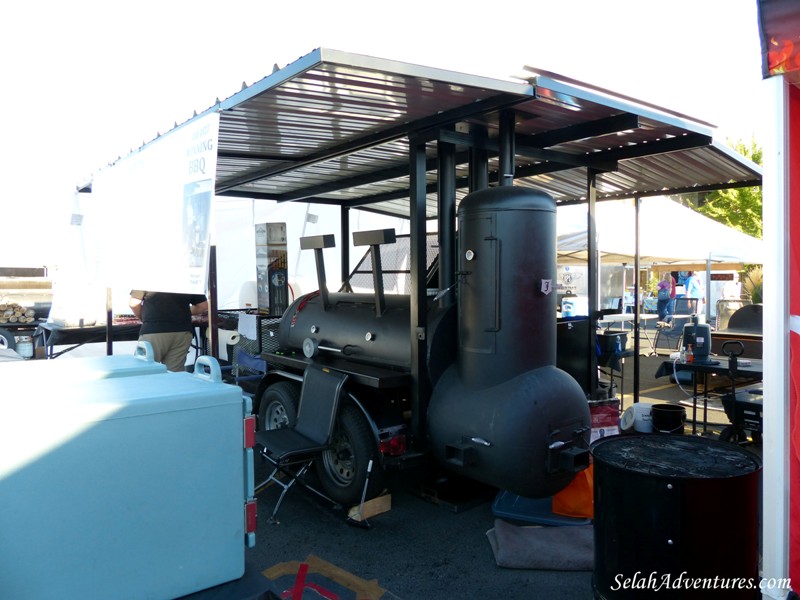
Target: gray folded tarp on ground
{"points": [[543, 548]]}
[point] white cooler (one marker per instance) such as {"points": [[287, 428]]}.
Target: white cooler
{"points": [[126, 487], [25, 374]]}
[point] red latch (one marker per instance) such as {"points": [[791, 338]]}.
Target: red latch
{"points": [[250, 431], [250, 516]]}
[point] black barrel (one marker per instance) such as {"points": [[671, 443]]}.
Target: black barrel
{"points": [[676, 514]]}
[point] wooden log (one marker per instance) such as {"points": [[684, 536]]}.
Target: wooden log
{"points": [[373, 507]]}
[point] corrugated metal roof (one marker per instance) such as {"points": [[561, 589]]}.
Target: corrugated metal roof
{"points": [[334, 128]]}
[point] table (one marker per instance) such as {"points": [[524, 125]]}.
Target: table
{"points": [[752, 372], [608, 320], [49, 335]]}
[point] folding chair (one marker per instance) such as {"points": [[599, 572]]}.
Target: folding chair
{"points": [[671, 330], [670, 334], [292, 450], [685, 306]]}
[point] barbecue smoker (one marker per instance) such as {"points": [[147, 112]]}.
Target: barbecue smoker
{"points": [[498, 410]]}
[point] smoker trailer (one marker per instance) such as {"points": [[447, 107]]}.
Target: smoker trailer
{"points": [[498, 409], [464, 376]]}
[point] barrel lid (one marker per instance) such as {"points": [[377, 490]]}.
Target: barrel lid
{"points": [[507, 198], [675, 456]]}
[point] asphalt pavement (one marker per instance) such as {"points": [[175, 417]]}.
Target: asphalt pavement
{"points": [[418, 550]]}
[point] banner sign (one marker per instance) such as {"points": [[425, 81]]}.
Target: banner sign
{"points": [[779, 26], [151, 217]]}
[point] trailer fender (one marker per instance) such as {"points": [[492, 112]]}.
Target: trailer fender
{"points": [[266, 381], [372, 425]]}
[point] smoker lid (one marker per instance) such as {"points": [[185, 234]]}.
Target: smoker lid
{"points": [[85, 398], [507, 198], [747, 318], [675, 456]]}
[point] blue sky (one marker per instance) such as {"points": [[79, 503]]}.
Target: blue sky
{"points": [[84, 82]]}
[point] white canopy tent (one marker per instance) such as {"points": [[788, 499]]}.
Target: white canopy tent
{"points": [[670, 234]]}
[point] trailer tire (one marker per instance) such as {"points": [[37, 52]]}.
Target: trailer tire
{"points": [[733, 434], [342, 471], [278, 406]]}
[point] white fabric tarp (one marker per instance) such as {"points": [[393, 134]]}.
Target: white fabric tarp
{"points": [[670, 234]]}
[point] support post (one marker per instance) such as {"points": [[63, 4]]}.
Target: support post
{"points": [[447, 222], [213, 332], [593, 283], [781, 331], [345, 226], [636, 324], [418, 314], [478, 162], [109, 324]]}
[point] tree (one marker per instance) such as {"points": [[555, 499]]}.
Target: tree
{"points": [[739, 208]]}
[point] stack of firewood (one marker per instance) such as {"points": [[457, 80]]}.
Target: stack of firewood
{"points": [[14, 313]]}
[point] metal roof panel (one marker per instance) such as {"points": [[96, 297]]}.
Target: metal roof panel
{"points": [[334, 127]]}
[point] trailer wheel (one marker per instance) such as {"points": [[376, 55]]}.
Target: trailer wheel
{"points": [[278, 406], [343, 469], [733, 434]]}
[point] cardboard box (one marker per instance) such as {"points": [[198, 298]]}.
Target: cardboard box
{"points": [[605, 418]]}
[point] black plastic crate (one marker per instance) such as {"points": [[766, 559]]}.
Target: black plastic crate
{"points": [[745, 408], [247, 352]]}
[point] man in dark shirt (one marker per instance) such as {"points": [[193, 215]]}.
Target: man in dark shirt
{"points": [[167, 323]]}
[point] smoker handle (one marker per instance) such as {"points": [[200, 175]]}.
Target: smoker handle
{"points": [[497, 285]]}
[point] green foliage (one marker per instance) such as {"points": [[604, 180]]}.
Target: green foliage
{"points": [[739, 208], [752, 284], [652, 285]]}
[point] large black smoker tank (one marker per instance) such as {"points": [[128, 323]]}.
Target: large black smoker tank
{"points": [[504, 414]]}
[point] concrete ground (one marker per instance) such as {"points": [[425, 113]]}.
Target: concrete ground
{"points": [[420, 549]]}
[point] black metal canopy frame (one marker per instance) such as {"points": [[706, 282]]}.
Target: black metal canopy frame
{"points": [[411, 141]]}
